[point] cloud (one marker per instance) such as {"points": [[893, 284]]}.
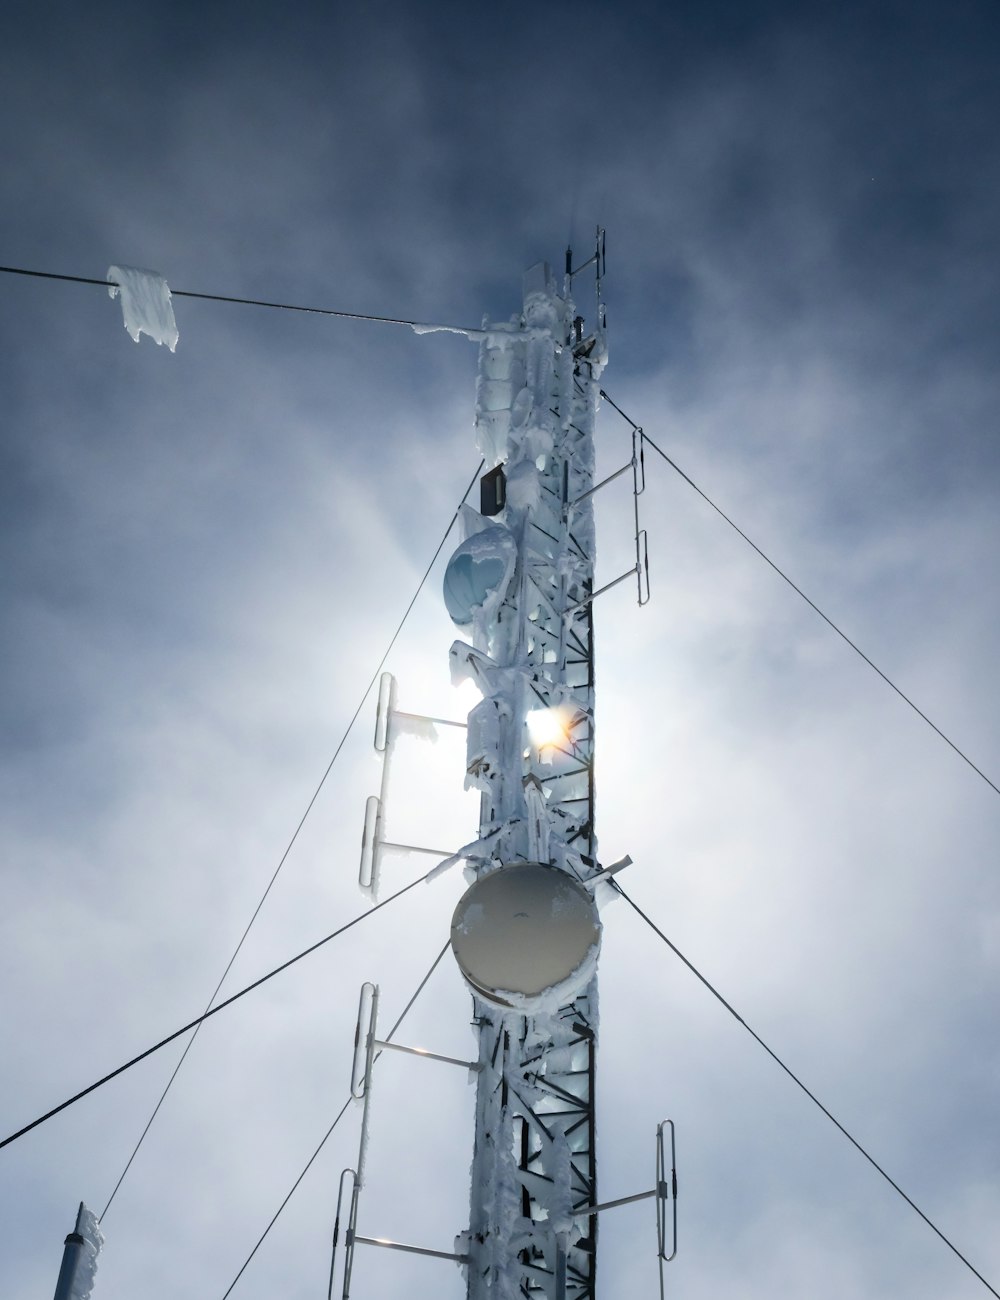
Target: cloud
{"points": [[207, 553]]}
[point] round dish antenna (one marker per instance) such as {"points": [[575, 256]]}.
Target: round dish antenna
{"points": [[478, 572], [526, 937]]}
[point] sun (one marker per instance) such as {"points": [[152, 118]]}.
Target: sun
{"points": [[548, 727]]}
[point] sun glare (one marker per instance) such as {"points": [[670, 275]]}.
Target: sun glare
{"points": [[548, 727]]}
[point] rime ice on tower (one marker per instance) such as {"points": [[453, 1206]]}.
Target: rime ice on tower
{"points": [[520, 584]]}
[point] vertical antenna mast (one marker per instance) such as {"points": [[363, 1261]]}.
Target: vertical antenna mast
{"points": [[526, 933]]}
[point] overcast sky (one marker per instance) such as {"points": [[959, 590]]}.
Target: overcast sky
{"points": [[205, 554]]}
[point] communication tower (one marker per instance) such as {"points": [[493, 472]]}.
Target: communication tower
{"points": [[526, 933]]}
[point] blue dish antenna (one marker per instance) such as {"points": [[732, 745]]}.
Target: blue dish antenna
{"points": [[479, 572]]}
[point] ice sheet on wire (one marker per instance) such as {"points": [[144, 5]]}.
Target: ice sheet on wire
{"points": [[146, 303]]}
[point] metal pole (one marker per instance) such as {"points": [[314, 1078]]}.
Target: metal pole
{"points": [[79, 1262]]}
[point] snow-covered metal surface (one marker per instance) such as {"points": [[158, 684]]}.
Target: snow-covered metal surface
{"points": [[80, 1254], [534, 1163]]}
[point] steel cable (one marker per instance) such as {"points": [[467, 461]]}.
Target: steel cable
{"points": [[798, 1082], [343, 1110], [192, 1024], [798, 590], [254, 302], [291, 842]]}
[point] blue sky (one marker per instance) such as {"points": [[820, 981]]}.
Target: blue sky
{"points": [[205, 554]]}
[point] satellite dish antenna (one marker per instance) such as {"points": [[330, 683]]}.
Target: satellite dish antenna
{"points": [[479, 572], [526, 937]]}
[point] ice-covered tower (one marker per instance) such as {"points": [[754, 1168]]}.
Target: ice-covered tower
{"points": [[526, 933]]}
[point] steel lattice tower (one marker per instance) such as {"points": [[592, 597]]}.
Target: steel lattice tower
{"points": [[534, 1164]]}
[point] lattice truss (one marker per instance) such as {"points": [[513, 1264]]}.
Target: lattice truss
{"points": [[534, 1166]]}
